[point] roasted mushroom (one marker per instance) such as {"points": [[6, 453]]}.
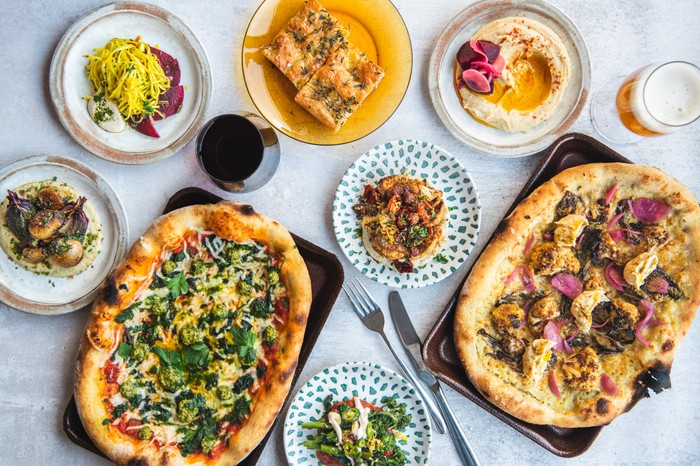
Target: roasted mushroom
{"points": [[65, 252], [46, 223], [33, 255], [49, 198]]}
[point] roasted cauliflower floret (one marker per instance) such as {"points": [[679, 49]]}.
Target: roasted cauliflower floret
{"points": [[508, 318], [545, 309], [638, 269], [536, 358], [624, 315], [583, 305], [656, 236], [581, 370], [548, 259], [594, 282]]}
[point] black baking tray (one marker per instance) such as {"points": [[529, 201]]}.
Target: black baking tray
{"points": [[327, 277], [439, 351]]}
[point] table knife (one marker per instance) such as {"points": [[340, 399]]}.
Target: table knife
{"points": [[412, 345]]}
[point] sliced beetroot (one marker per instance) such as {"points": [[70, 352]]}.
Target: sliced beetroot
{"points": [[466, 55], [476, 81], [170, 102], [499, 64], [169, 64], [479, 50], [649, 210], [490, 49], [146, 127]]}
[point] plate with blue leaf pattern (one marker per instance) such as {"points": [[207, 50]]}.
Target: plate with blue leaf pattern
{"points": [[422, 160], [368, 381]]}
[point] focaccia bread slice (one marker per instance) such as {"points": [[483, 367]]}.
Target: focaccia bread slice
{"points": [[340, 86], [305, 43]]}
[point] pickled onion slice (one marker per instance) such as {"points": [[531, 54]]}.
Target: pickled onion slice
{"points": [[614, 277], [658, 285], [608, 385], [529, 243], [476, 81], [569, 285], [613, 221], [649, 210], [648, 307], [611, 194], [552, 382], [551, 333]]}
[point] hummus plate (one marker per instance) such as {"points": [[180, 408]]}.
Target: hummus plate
{"points": [[492, 140], [41, 294]]}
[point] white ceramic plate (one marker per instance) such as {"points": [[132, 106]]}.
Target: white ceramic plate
{"points": [[370, 382], [491, 140], [444, 172], [69, 83], [40, 294]]}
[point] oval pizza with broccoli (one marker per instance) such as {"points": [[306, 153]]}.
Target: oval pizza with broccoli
{"points": [[578, 304], [191, 346]]}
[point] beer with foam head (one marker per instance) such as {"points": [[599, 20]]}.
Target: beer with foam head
{"points": [[659, 99]]}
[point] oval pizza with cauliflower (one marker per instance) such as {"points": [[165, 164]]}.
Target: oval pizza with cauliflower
{"points": [[577, 306]]}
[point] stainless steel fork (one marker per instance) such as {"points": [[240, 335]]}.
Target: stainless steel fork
{"points": [[373, 318]]}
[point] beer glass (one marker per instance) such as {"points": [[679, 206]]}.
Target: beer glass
{"points": [[655, 100]]}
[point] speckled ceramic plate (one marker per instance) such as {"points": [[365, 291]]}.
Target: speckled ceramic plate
{"points": [[370, 382], [444, 172], [491, 140], [68, 80], [40, 294]]}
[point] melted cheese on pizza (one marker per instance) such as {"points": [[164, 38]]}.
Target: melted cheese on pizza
{"points": [[567, 289], [196, 344]]}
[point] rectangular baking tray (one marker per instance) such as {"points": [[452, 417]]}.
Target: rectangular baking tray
{"points": [[439, 350], [326, 279]]}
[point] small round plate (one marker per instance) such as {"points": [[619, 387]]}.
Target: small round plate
{"points": [[444, 172], [369, 382], [40, 294], [68, 80], [492, 140], [376, 28]]}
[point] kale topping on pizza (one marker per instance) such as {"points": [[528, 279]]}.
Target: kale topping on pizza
{"points": [[195, 345]]}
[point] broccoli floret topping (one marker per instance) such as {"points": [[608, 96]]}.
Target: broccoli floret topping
{"points": [[224, 392], [219, 311], [170, 378], [187, 410], [140, 351], [168, 267], [269, 335], [190, 334], [145, 433], [128, 389]]}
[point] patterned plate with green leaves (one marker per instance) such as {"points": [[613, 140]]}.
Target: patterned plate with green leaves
{"points": [[369, 382], [419, 159]]}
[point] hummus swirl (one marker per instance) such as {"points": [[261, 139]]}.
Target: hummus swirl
{"points": [[537, 70]]}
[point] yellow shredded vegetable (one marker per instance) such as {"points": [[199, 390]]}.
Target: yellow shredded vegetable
{"points": [[128, 74]]}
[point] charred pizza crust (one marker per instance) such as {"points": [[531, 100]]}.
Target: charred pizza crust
{"points": [[102, 334], [632, 369]]}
